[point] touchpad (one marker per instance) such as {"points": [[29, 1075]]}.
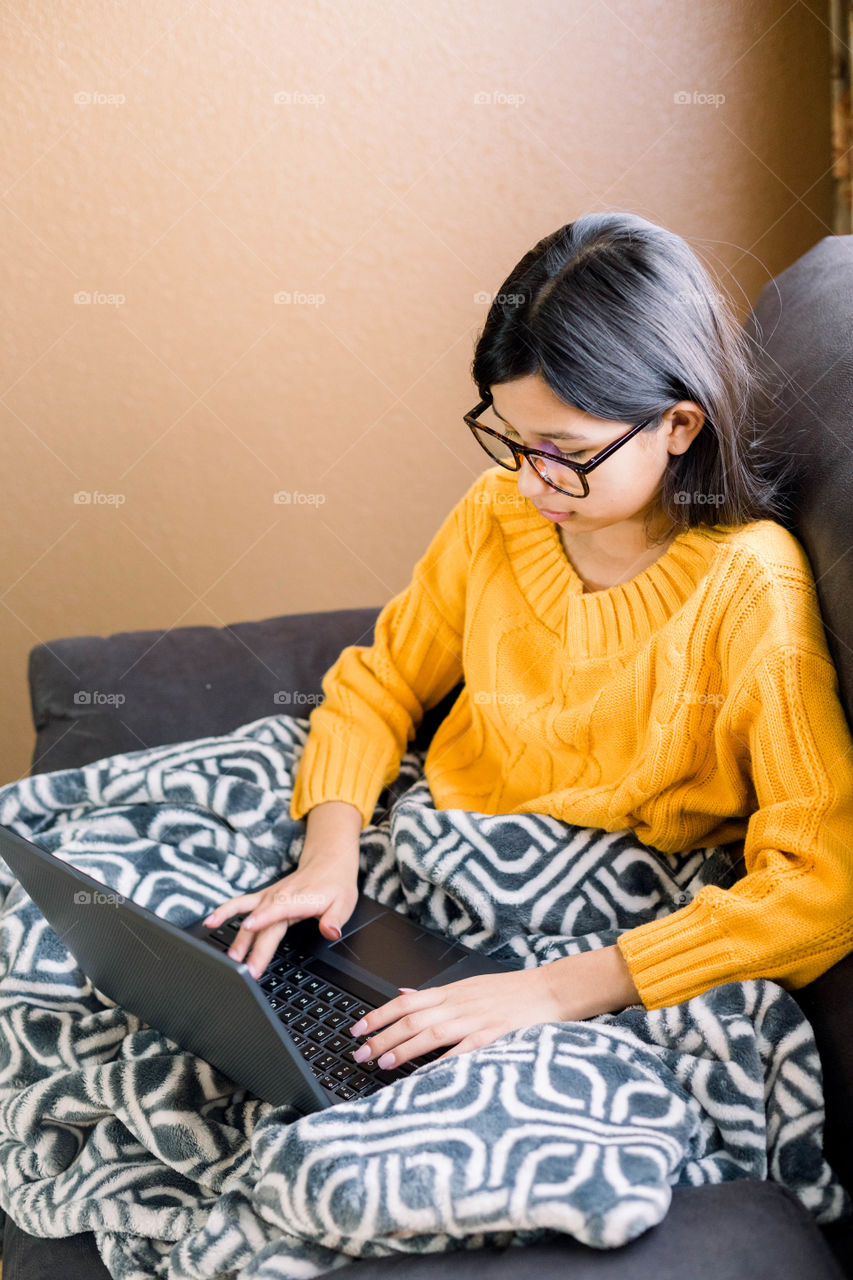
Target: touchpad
{"points": [[397, 950]]}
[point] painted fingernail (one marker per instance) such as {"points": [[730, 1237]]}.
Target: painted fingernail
{"points": [[359, 1028], [249, 922], [208, 919], [233, 954], [387, 1060], [407, 990], [362, 1054]]}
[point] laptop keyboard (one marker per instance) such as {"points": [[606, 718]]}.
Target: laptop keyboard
{"points": [[318, 1015]]}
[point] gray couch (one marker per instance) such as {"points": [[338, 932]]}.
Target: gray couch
{"points": [[195, 681]]}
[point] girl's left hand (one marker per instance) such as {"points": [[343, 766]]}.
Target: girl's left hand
{"points": [[476, 1011], [468, 1014]]}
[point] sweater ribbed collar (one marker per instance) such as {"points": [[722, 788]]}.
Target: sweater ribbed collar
{"points": [[602, 622]]}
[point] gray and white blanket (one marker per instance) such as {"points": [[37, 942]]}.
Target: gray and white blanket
{"points": [[580, 1128]]}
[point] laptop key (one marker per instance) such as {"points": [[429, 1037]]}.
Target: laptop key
{"points": [[335, 1018], [314, 985], [309, 1050], [301, 1000], [318, 1010], [338, 1044], [343, 1001], [341, 1091], [302, 1022], [324, 1062], [288, 1015], [320, 1033], [342, 1073]]}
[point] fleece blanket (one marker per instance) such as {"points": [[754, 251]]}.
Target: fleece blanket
{"points": [[580, 1128]]}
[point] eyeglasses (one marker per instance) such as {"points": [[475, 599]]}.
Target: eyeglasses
{"points": [[567, 477]]}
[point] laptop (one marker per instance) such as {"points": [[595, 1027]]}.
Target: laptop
{"points": [[284, 1036]]}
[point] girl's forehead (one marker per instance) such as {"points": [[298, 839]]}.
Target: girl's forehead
{"points": [[525, 409]]}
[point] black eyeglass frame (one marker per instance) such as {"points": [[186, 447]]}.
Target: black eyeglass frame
{"points": [[520, 451]]}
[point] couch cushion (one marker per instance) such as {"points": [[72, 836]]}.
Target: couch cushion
{"points": [[802, 322], [94, 696], [727, 1232]]}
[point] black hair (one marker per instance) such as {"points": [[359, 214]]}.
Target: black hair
{"points": [[621, 320]]}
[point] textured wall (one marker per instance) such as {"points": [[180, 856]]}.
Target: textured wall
{"points": [[147, 163]]}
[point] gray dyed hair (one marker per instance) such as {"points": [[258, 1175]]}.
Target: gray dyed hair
{"points": [[621, 320]]}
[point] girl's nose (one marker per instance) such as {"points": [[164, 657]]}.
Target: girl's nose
{"points": [[531, 485]]}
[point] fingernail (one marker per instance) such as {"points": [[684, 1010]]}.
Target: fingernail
{"points": [[208, 919], [359, 1028], [233, 953], [336, 931], [387, 1060], [249, 922], [362, 1054], [407, 990]]}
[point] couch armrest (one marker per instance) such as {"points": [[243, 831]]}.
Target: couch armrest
{"points": [[95, 696]]}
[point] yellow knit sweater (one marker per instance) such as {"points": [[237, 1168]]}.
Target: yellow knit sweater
{"points": [[696, 704]]}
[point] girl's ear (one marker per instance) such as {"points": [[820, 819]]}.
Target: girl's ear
{"points": [[686, 420]]}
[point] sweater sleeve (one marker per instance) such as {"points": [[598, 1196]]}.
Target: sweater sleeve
{"points": [[790, 917], [375, 696]]}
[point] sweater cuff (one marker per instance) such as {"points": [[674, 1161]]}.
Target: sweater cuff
{"points": [[325, 772], [678, 957]]}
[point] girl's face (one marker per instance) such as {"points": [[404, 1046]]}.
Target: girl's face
{"points": [[624, 487]]}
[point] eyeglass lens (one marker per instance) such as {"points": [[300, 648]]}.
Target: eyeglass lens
{"points": [[564, 477]]}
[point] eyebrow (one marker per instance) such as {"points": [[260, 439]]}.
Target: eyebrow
{"points": [[548, 435]]}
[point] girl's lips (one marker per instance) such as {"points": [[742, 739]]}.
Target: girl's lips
{"points": [[554, 515]]}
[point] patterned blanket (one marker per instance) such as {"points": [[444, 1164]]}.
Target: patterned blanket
{"points": [[581, 1128]]}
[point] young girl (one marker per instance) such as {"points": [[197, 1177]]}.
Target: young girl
{"points": [[640, 642]]}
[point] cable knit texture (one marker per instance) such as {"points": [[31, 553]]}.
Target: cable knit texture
{"points": [[696, 704]]}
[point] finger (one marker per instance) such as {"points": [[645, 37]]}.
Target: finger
{"points": [[266, 945], [386, 1054], [396, 1008], [263, 915], [241, 944], [234, 906], [401, 1041]]}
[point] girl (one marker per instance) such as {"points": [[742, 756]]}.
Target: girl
{"points": [[640, 642]]}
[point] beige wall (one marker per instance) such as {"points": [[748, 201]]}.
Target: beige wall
{"points": [[183, 187]]}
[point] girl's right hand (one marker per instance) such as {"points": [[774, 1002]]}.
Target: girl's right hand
{"points": [[324, 888]]}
